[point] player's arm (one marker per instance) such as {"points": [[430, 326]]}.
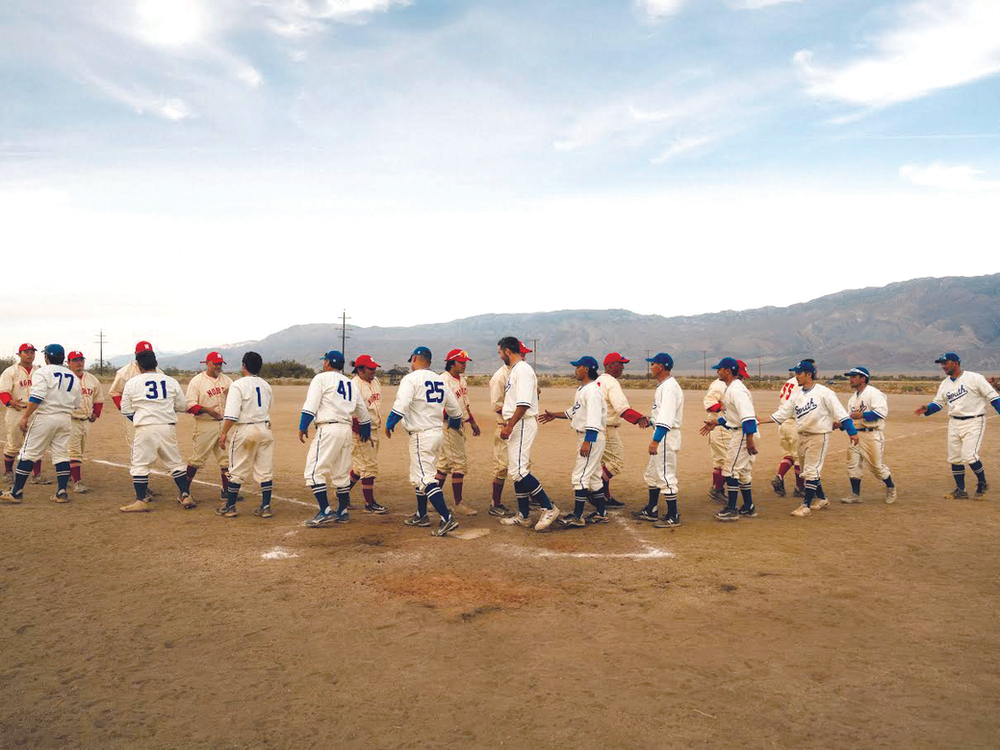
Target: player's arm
{"points": [[125, 404], [665, 417], [231, 413], [523, 388], [594, 403], [116, 391], [840, 416], [547, 416], [180, 402], [309, 407], [453, 409], [98, 401], [7, 388], [786, 410], [363, 418], [985, 389], [879, 409], [404, 397], [621, 405], [937, 404], [193, 407]]}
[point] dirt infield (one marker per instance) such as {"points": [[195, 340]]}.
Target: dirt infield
{"points": [[860, 626]]}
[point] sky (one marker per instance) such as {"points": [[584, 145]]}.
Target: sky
{"points": [[200, 172]]}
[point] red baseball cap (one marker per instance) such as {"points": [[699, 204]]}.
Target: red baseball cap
{"points": [[143, 346], [365, 361], [524, 349], [615, 357], [26, 348], [743, 369], [215, 358], [458, 355], [75, 355]]}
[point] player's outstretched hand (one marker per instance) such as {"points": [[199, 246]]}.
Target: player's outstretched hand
{"points": [[546, 417], [710, 424], [921, 410], [302, 436], [643, 423]]}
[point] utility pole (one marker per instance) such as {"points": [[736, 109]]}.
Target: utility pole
{"points": [[704, 360], [101, 340], [343, 333], [534, 354], [758, 367], [648, 352]]}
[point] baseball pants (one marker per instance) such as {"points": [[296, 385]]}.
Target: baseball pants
{"points": [[738, 461], [425, 450], [329, 459], [812, 451], [79, 432], [206, 443], [522, 437], [614, 452], [661, 471], [788, 433], [965, 436], [154, 442], [454, 459], [15, 438], [251, 453], [364, 457], [718, 441], [499, 454], [870, 452], [587, 469], [46, 432]]}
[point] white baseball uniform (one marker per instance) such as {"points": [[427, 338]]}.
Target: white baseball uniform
{"points": [[788, 433], [615, 404], [15, 381], [90, 394], [454, 458], [737, 410], [967, 398], [152, 401], [251, 444], [419, 400], [116, 392], [333, 402], [56, 390], [521, 390], [208, 393], [498, 387], [870, 450], [364, 459], [815, 412], [667, 412], [588, 412], [718, 440]]}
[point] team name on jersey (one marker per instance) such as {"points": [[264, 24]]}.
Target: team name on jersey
{"points": [[87, 391], [808, 406], [954, 396], [373, 398], [217, 391]]}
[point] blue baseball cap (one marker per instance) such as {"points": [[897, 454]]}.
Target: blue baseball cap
{"points": [[420, 351], [585, 361], [947, 357], [662, 359], [54, 350], [334, 357], [804, 366], [863, 371], [729, 363]]}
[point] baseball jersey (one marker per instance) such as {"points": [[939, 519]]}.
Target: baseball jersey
{"points": [[716, 390], [460, 390], [737, 404], [588, 412], [614, 398], [521, 390], [968, 395], [498, 385], [16, 381], [208, 393], [55, 389], [90, 394], [248, 401], [371, 394], [419, 399], [788, 390], [668, 405], [815, 410], [332, 397], [870, 399], [152, 398]]}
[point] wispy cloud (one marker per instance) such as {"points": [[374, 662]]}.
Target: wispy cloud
{"points": [[141, 100], [943, 177], [681, 146], [656, 9], [297, 18], [936, 44]]}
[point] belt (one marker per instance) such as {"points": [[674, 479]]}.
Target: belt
{"points": [[330, 422], [974, 416], [867, 429], [81, 419], [267, 422], [611, 427], [727, 427]]}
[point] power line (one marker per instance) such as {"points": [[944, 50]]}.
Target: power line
{"points": [[534, 354], [343, 332]]}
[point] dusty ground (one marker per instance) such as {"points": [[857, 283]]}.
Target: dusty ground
{"points": [[861, 626]]}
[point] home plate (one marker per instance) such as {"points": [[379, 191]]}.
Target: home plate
{"points": [[278, 553], [470, 534]]}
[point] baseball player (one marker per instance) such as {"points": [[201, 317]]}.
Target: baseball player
{"points": [[122, 376], [520, 413], [251, 451], [498, 389], [618, 409], [206, 400], [333, 403], [15, 385], [364, 462], [789, 439], [816, 410], [45, 424], [869, 408], [666, 416], [453, 459], [588, 416], [91, 405], [737, 417], [718, 440], [966, 395], [151, 401], [419, 399]]}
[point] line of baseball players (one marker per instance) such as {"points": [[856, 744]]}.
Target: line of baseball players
{"points": [[52, 408]]}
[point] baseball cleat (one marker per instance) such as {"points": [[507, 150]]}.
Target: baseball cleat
{"points": [[8, 496], [890, 495], [802, 510], [226, 511], [322, 519], [596, 517], [778, 485], [645, 515], [852, 499], [516, 520], [378, 510], [957, 494], [819, 503], [445, 526], [571, 519], [668, 522], [501, 511], [612, 503], [61, 496], [40, 479], [464, 510], [547, 519], [726, 514], [186, 502], [748, 512], [80, 488], [417, 520], [981, 489], [139, 506], [263, 511], [342, 516]]}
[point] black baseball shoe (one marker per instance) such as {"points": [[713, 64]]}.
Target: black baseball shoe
{"points": [[728, 514], [571, 519], [322, 519], [778, 485], [445, 526], [378, 510], [981, 489], [748, 511], [645, 515], [596, 517], [416, 520], [500, 511], [668, 522], [613, 503]]}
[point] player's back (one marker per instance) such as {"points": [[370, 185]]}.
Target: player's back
{"points": [[152, 398], [57, 387], [426, 402], [332, 397], [249, 400]]}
